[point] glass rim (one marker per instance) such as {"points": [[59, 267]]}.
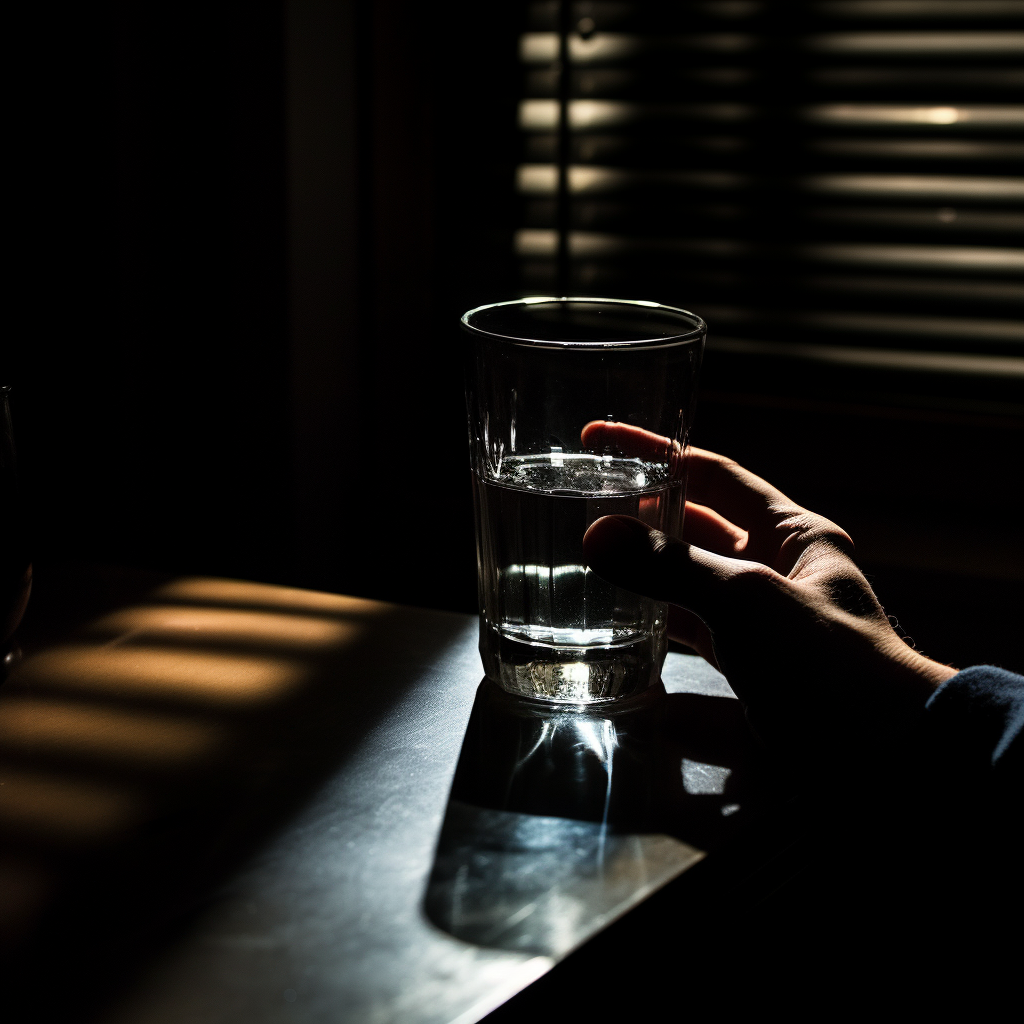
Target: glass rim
{"points": [[696, 331]]}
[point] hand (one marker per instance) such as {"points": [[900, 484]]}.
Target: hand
{"points": [[768, 593]]}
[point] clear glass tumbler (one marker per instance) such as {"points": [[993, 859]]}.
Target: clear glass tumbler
{"points": [[556, 392]]}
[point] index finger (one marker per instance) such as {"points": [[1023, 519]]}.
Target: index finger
{"points": [[630, 440], [779, 530], [739, 495], [713, 480]]}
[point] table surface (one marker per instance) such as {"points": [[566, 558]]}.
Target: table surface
{"points": [[233, 802]]}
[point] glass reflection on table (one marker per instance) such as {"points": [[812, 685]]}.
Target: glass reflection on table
{"points": [[561, 819]]}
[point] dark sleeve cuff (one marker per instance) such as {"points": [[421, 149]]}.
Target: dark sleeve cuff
{"points": [[976, 719]]}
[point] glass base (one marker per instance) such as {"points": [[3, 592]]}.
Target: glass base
{"points": [[572, 673]]}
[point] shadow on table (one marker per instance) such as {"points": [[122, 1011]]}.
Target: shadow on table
{"points": [[146, 754], [559, 821]]}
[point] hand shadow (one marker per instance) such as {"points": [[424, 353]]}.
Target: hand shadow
{"points": [[561, 820]]}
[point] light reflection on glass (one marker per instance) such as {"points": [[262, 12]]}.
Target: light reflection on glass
{"points": [[560, 819]]}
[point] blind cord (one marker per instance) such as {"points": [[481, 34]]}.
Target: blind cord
{"points": [[562, 199]]}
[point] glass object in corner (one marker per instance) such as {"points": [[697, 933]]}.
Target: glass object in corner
{"points": [[15, 564]]}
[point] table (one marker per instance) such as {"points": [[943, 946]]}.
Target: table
{"points": [[234, 802]]}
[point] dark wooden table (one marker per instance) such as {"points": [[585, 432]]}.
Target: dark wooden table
{"points": [[232, 802]]}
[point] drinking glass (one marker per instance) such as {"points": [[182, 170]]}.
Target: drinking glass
{"points": [[578, 408], [15, 564]]}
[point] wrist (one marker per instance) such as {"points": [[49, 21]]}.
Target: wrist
{"points": [[934, 673], [923, 675]]}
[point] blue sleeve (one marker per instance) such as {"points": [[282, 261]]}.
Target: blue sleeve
{"points": [[976, 719]]}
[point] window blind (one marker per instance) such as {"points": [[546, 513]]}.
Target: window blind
{"points": [[838, 181]]}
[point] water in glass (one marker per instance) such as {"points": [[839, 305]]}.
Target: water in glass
{"points": [[552, 628]]}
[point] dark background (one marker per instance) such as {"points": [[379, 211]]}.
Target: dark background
{"points": [[247, 233]]}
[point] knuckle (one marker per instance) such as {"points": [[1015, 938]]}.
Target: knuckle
{"points": [[723, 463], [754, 582], [806, 528]]}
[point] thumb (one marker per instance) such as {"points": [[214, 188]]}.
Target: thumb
{"points": [[630, 555]]}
